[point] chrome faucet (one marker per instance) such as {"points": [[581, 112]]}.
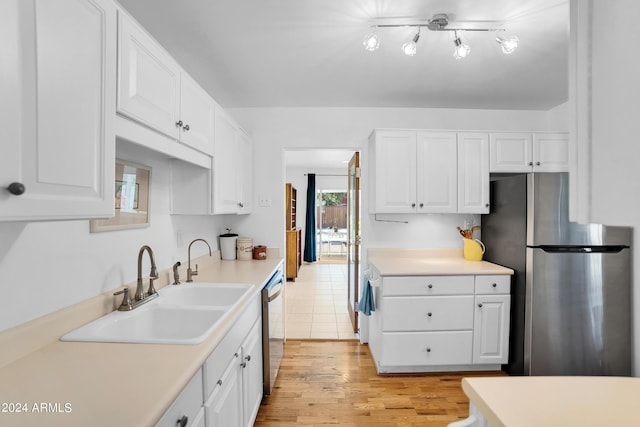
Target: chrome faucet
{"points": [[191, 273], [153, 275]]}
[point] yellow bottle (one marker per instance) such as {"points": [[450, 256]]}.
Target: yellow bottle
{"points": [[473, 249]]}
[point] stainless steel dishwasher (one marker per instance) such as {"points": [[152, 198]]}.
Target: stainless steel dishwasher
{"points": [[272, 329]]}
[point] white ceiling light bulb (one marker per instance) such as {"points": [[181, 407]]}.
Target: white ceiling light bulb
{"points": [[508, 45], [410, 48], [461, 50], [371, 41]]}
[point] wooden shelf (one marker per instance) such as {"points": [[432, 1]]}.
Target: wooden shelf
{"points": [[294, 235]]}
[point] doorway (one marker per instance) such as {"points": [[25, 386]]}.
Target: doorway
{"points": [[317, 301]]}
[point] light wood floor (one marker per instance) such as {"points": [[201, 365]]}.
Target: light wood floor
{"points": [[335, 382]]}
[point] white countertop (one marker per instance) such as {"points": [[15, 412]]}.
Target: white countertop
{"points": [[430, 262], [111, 384], [556, 401]]}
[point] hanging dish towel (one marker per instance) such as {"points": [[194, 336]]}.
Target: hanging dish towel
{"points": [[366, 304]]}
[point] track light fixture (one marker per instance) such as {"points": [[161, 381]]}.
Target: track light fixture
{"points": [[461, 50], [508, 45], [439, 22], [410, 48]]}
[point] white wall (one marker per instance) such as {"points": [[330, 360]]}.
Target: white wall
{"points": [[615, 198], [47, 266], [275, 129]]}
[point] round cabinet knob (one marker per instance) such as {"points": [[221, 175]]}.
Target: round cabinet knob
{"points": [[240, 204], [413, 205], [486, 205], [182, 422], [219, 382], [16, 188], [179, 123], [480, 305], [428, 350], [186, 128], [538, 163], [248, 358], [429, 314], [421, 205], [530, 163], [494, 285], [430, 286]]}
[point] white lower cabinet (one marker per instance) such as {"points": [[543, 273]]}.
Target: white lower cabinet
{"points": [[227, 390], [187, 408], [440, 323]]}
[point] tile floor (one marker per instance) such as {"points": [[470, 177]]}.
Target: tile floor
{"points": [[316, 303]]}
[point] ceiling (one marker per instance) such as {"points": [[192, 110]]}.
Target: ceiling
{"points": [[309, 53]]}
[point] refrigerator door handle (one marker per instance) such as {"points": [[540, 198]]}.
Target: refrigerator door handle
{"points": [[612, 249]]}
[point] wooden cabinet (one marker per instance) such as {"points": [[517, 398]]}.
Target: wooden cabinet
{"points": [[440, 323], [529, 152], [153, 90], [56, 115], [429, 172], [293, 234]]}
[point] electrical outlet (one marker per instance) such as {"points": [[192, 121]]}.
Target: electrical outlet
{"points": [[264, 202]]}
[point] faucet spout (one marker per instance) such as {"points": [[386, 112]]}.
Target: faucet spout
{"points": [[153, 274], [190, 272]]}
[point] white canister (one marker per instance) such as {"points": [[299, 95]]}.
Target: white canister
{"points": [[244, 248], [228, 246]]}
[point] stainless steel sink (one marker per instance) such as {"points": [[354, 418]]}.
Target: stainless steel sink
{"points": [[184, 314]]}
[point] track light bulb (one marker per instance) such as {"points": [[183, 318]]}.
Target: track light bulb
{"points": [[410, 48], [371, 42], [508, 45], [461, 50]]}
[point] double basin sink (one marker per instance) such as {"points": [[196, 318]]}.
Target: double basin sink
{"points": [[183, 314]]}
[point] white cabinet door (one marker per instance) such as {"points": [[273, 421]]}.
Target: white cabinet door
{"points": [[252, 374], [245, 173], [395, 171], [551, 152], [437, 172], [511, 152], [148, 80], [225, 163], [491, 329], [527, 152], [187, 405], [58, 98], [197, 111], [473, 173], [224, 406]]}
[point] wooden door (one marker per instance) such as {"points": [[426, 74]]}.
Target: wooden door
{"points": [[353, 239]]}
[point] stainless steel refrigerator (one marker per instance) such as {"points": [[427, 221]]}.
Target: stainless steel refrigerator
{"points": [[571, 292]]}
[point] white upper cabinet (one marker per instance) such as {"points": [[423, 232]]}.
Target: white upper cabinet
{"points": [[429, 172], [473, 172], [245, 173], [225, 163], [148, 80], [394, 157], [197, 111], [153, 90], [437, 172], [58, 62], [529, 152]]}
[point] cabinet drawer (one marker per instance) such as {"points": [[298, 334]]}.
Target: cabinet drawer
{"points": [[226, 350], [443, 313], [487, 285], [188, 404], [427, 348], [427, 285]]}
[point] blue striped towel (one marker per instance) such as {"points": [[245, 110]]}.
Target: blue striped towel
{"points": [[366, 304]]}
